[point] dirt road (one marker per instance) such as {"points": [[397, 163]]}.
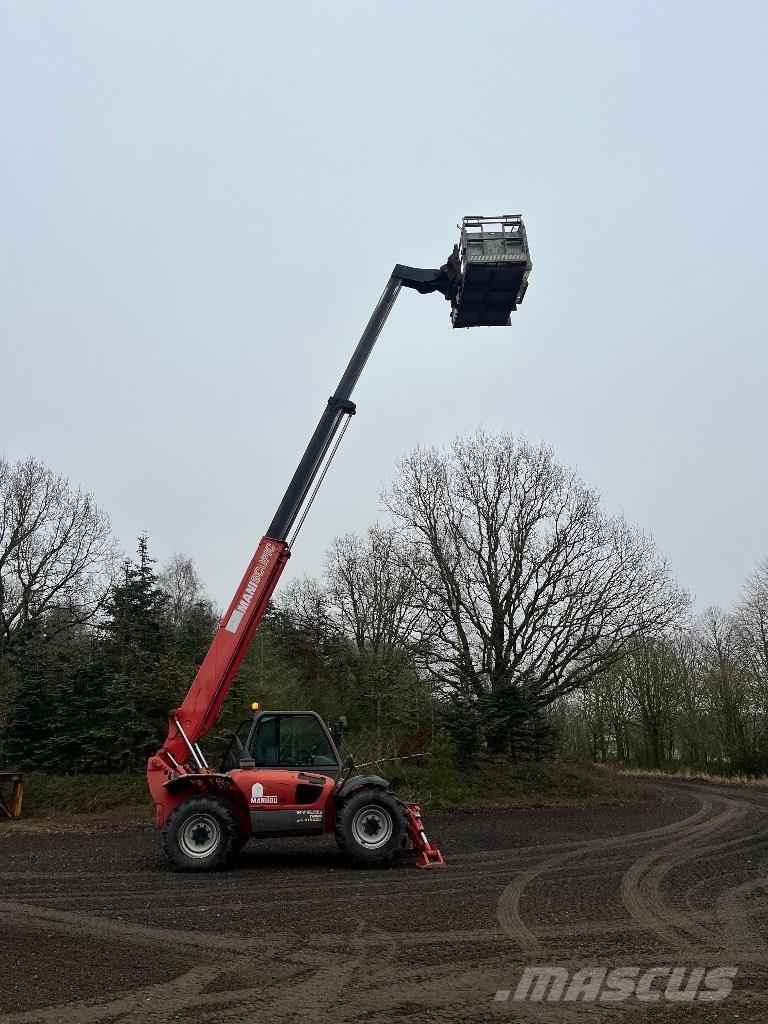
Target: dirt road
{"points": [[93, 929]]}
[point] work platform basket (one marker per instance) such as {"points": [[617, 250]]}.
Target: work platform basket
{"points": [[495, 264]]}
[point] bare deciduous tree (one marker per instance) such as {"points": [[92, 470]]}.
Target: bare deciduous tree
{"points": [[307, 603], [737, 715], [56, 548], [374, 588], [752, 628], [181, 583], [527, 582], [649, 677], [368, 609]]}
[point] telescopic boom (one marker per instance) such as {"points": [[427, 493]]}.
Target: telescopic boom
{"points": [[469, 285]]}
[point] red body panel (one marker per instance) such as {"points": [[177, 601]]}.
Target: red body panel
{"points": [[169, 789], [274, 789], [246, 790]]}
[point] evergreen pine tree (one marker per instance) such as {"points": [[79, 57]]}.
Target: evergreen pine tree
{"points": [[25, 743], [137, 692]]}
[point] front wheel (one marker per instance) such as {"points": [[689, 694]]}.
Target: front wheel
{"points": [[371, 827], [201, 835]]}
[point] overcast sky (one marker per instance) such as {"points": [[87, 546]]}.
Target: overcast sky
{"points": [[201, 203]]}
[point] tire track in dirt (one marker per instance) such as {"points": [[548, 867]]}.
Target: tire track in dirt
{"points": [[333, 975], [310, 982], [508, 911], [313, 974], [305, 977], [75, 923], [729, 912], [184, 990], [641, 884], [652, 911], [733, 914], [330, 976], [324, 993], [171, 890]]}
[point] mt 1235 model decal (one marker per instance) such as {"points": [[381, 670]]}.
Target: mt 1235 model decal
{"points": [[310, 817]]}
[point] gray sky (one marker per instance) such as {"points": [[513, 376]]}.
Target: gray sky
{"points": [[202, 201]]}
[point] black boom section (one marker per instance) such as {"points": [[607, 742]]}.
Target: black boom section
{"points": [[484, 279], [339, 405]]}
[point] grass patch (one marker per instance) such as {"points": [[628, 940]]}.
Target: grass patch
{"points": [[497, 782], [83, 794]]}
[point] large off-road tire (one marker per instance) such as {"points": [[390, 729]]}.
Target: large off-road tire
{"points": [[371, 827], [201, 835]]}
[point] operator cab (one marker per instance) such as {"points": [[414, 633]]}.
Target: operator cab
{"points": [[495, 264], [284, 739]]}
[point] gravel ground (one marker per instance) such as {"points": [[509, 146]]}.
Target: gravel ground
{"points": [[94, 929]]}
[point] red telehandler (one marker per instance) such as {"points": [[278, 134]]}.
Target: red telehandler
{"points": [[285, 777]]}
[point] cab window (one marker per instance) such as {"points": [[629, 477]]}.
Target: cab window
{"points": [[286, 741], [265, 750], [303, 742]]}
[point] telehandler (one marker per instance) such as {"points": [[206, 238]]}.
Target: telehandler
{"points": [[285, 776]]}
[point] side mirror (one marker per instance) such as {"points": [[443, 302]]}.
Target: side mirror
{"points": [[244, 758], [337, 730], [236, 755]]}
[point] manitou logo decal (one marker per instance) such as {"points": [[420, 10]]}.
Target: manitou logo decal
{"points": [[250, 589], [646, 984], [257, 795]]}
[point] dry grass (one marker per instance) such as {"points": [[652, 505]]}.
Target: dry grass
{"points": [[691, 775]]}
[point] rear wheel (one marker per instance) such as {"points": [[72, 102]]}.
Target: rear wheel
{"points": [[371, 827], [201, 835]]}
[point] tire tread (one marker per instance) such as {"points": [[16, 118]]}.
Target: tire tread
{"points": [[232, 839], [360, 857]]}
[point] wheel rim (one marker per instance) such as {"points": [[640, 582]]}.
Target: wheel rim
{"points": [[199, 836], [372, 827]]}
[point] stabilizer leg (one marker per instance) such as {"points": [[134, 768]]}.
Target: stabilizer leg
{"points": [[429, 855]]}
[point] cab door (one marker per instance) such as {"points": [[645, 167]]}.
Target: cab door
{"points": [[296, 765]]}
